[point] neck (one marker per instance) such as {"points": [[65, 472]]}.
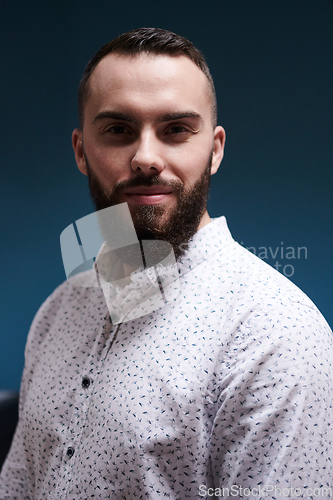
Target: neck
{"points": [[204, 220]]}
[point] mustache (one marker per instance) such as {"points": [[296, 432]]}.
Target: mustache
{"points": [[143, 180]]}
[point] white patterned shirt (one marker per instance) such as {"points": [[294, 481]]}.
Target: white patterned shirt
{"points": [[225, 391]]}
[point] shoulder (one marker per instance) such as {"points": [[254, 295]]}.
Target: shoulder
{"points": [[278, 321], [254, 281], [255, 301], [74, 298]]}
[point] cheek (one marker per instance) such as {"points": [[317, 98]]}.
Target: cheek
{"points": [[109, 166], [195, 151], [189, 167]]}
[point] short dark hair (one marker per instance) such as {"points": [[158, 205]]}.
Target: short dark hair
{"points": [[148, 40]]}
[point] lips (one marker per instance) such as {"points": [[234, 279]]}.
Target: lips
{"points": [[148, 195], [153, 190]]}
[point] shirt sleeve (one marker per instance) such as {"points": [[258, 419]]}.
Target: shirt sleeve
{"points": [[17, 473], [272, 435], [13, 482]]}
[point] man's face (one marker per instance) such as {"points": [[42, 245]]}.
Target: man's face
{"points": [[148, 140]]}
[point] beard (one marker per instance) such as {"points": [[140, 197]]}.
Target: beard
{"points": [[175, 225]]}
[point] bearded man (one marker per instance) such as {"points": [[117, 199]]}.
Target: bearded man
{"points": [[226, 389]]}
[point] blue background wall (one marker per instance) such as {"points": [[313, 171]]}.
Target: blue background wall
{"points": [[272, 65]]}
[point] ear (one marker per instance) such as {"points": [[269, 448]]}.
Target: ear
{"points": [[218, 150], [78, 150]]}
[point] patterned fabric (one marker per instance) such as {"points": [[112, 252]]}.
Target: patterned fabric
{"points": [[225, 391]]}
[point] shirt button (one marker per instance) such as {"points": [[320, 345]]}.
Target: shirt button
{"points": [[85, 382], [70, 452]]}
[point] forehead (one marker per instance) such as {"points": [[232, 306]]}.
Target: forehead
{"points": [[149, 81]]}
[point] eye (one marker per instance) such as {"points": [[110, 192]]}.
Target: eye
{"points": [[177, 129], [117, 129]]}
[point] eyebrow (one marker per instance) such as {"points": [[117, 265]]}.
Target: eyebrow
{"points": [[116, 115], [178, 116]]}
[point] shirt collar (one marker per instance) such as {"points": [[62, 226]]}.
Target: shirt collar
{"points": [[207, 241]]}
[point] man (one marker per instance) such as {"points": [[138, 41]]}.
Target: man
{"points": [[226, 390]]}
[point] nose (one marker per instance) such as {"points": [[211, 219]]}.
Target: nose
{"points": [[147, 158]]}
